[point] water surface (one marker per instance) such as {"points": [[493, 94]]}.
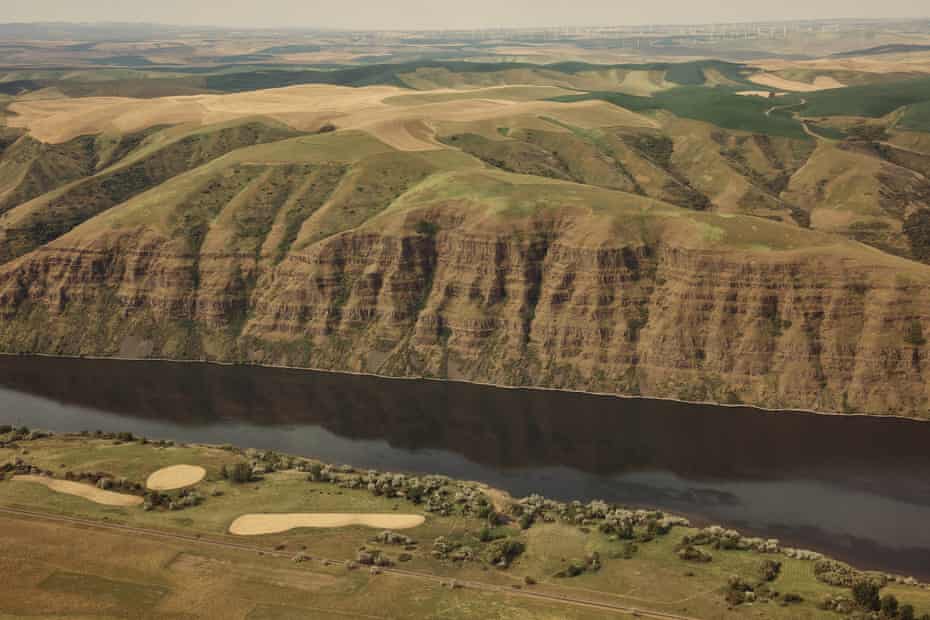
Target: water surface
{"points": [[854, 487]]}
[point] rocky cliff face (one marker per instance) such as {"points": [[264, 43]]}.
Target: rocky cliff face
{"points": [[541, 304], [633, 263]]}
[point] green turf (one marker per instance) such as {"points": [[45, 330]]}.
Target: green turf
{"points": [[646, 572], [916, 117], [873, 100], [719, 106], [686, 74], [116, 593]]}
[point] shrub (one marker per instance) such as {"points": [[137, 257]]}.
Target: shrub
{"points": [[315, 472], [626, 552], [865, 593], [838, 574], [5, 428], [426, 228], [387, 537], [917, 229], [693, 554], [503, 552], [889, 606], [591, 564], [906, 612], [735, 597], [769, 570], [574, 569], [241, 473], [914, 335]]}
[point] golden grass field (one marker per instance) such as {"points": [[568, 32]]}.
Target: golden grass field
{"points": [[403, 124], [821, 82]]}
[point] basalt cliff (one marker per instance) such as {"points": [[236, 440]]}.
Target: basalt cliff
{"points": [[415, 264]]}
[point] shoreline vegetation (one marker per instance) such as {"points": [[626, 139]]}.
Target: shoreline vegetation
{"points": [[770, 410], [454, 528]]}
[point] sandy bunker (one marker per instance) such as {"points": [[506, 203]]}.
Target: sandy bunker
{"points": [[99, 496], [175, 477], [255, 524]]}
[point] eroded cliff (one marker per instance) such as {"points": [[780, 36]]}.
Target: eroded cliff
{"points": [[338, 252], [540, 300]]}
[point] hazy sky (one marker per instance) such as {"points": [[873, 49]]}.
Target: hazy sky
{"points": [[402, 14]]}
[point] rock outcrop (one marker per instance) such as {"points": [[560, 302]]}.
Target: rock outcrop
{"points": [[537, 304]]}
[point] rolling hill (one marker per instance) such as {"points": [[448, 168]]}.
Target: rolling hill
{"points": [[651, 229]]}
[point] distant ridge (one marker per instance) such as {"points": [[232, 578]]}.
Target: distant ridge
{"points": [[884, 49]]}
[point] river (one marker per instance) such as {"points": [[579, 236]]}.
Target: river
{"points": [[856, 488]]}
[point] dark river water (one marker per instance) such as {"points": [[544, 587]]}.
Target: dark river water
{"points": [[856, 488]]}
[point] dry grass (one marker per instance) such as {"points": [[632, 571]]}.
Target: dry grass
{"points": [[883, 64], [404, 127], [821, 82], [55, 571]]}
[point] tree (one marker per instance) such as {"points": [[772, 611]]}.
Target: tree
{"points": [[914, 335], [865, 594], [426, 228], [769, 570], [889, 606], [503, 552], [241, 473]]}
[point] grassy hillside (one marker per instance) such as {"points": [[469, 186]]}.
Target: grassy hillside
{"points": [[32, 223], [872, 100], [143, 79], [916, 117], [718, 106], [654, 228]]}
